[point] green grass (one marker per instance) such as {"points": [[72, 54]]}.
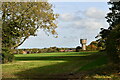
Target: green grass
{"points": [[95, 64], [52, 65]]}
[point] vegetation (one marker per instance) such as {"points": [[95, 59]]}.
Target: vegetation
{"points": [[78, 48], [36, 50], [111, 36], [7, 56], [94, 46], [43, 50], [23, 19], [65, 65]]}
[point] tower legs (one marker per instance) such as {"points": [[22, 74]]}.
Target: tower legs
{"points": [[83, 46]]}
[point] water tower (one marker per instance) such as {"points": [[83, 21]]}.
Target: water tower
{"points": [[83, 43]]}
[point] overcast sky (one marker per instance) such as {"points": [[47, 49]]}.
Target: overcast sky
{"points": [[77, 20]]}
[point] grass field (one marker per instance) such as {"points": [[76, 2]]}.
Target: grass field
{"points": [[52, 65]]}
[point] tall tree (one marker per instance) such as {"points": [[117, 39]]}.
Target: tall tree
{"points": [[23, 19], [111, 36]]}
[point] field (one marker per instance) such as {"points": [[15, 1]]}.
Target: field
{"points": [[51, 66]]}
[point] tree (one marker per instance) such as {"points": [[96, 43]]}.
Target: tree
{"points": [[93, 46], [78, 48], [111, 36], [23, 19]]}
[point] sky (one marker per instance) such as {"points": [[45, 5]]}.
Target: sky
{"points": [[77, 20]]}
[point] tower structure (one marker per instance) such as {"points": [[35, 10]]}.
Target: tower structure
{"points": [[83, 43]]}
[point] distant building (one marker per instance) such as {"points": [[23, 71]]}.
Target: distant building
{"points": [[62, 50], [68, 50], [24, 52]]}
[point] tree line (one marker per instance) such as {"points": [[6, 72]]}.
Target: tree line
{"points": [[37, 50], [110, 38], [93, 46]]}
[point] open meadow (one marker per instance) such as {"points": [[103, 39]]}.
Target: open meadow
{"points": [[58, 66]]}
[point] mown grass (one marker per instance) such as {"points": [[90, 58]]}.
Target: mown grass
{"points": [[52, 65]]}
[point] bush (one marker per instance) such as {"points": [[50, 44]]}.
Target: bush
{"points": [[78, 48], [7, 56]]}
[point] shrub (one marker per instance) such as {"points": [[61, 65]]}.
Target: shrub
{"points": [[7, 56], [78, 48]]}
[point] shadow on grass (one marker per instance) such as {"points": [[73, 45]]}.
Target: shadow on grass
{"points": [[59, 71]]}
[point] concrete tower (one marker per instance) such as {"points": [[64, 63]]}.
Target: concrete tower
{"points": [[83, 43]]}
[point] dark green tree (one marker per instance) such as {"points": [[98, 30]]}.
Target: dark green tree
{"points": [[111, 36], [78, 48]]}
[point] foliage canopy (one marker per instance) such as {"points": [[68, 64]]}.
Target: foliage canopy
{"points": [[23, 19], [111, 36]]}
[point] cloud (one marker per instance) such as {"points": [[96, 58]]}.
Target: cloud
{"points": [[94, 13], [69, 17], [90, 13], [90, 24], [89, 19]]}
